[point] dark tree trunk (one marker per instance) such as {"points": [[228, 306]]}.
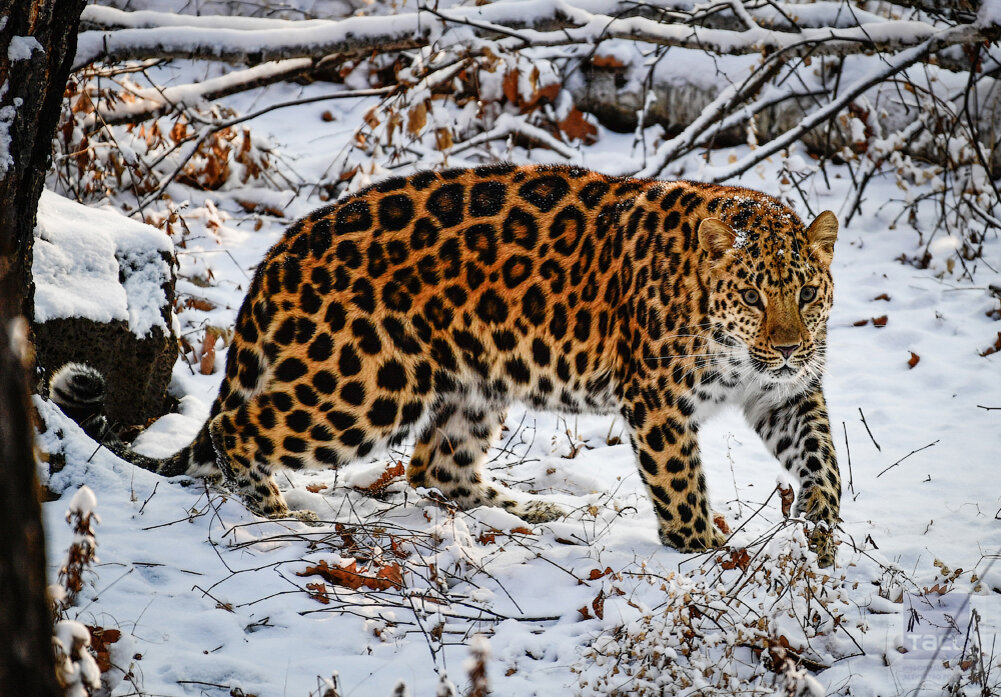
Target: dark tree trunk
{"points": [[37, 45], [29, 111], [27, 667]]}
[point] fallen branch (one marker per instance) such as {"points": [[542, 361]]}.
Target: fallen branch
{"points": [[154, 103], [551, 23]]}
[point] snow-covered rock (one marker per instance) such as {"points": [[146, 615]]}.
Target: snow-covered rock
{"points": [[104, 290]]}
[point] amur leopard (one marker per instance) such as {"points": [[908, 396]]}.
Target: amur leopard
{"points": [[423, 306]]}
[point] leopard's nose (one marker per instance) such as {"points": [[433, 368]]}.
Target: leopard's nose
{"points": [[787, 351]]}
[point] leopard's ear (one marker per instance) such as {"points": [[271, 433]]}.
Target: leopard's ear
{"points": [[715, 236], [822, 234]]}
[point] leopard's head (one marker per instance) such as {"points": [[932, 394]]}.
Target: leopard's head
{"points": [[770, 289]]}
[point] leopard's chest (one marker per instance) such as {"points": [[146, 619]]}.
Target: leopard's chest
{"points": [[731, 384]]}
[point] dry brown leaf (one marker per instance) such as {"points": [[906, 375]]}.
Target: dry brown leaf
{"points": [[254, 207], [443, 139], [315, 488], [318, 592], [607, 62], [417, 119], [207, 363], [389, 576], [510, 86], [199, 304], [720, 522], [860, 323], [350, 576], [787, 496], [391, 473], [346, 576], [739, 558], [913, 360], [521, 530], [100, 640], [576, 127], [882, 296], [539, 94], [179, 131], [598, 573], [598, 605], [880, 321], [993, 348]]}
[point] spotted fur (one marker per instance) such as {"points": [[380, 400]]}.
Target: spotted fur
{"points": [[425, 305]]}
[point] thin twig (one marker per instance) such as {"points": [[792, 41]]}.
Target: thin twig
{"points": [[904, 458], [868, 431], [851, 477]]}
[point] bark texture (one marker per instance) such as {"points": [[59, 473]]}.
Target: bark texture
{"points": [[37, 44], [27, 668], [32, 91]]}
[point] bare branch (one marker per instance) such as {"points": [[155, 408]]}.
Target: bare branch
{"points": [[891, 66], [155, 103], [553, 23]]}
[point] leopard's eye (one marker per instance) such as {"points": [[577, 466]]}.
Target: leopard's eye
{"points": [[751, 297], [807, 294]]}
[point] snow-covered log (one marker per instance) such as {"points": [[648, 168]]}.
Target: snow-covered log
{"points": [[104, 291], [549, 23]]}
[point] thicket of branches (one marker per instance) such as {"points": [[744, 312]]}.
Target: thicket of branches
{"points": [[908, 88]]}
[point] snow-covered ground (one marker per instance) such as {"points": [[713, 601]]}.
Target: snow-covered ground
{"points": [[210, 599]]}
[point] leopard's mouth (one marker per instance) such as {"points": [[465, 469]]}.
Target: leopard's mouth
{"points": [[780, 371]]}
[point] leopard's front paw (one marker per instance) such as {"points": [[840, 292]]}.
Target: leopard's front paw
{"points": [[821, 540], [540, 511], [685, 539], [306, 516], [302, 515], [820, 508]]}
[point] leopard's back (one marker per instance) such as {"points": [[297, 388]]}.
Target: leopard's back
{"points": [[500, 279]]}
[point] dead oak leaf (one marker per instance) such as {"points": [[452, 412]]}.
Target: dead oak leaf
{"points": [[100, 640], [787, 496]]}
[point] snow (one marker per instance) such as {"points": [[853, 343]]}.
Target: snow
{"points": [[206, 594], [96, 263], [21, 47], [7, 115], [77, 669], [83, 503], [275, 38], [989, 13]]}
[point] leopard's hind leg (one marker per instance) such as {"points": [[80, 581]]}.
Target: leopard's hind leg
{"points": [[451, 451], [267, 433]]}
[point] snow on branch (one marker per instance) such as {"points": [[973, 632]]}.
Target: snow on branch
{"points": [[152, 103], [888, 68], [546, 23]]}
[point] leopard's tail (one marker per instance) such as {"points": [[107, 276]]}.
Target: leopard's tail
{"points": [[80, 391]]}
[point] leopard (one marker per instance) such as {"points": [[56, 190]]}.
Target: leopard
{"points": [[422, 306]]}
